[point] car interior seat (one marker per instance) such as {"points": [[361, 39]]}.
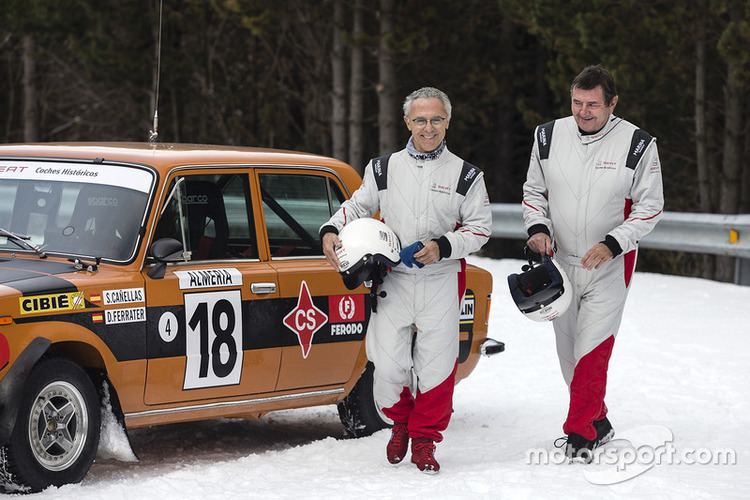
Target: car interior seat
{"points": [[96, 224], [36, 205], [207, 220]]}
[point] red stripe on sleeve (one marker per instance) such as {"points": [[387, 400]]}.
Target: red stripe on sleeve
{"points": [[530, 206]]}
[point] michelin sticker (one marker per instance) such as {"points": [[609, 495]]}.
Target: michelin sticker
{"points": [[209, 278], [128, 315], [124, 296], [467, 308]]}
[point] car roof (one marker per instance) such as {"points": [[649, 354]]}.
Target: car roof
{"points": [[164, 156]]}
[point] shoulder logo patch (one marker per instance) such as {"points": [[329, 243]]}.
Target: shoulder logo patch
{"points": [[471, 174], [543, 136]]}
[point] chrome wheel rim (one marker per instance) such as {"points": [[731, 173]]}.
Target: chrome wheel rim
{"points": [[58, 426]]}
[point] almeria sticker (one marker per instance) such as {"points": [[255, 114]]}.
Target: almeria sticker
{"points": [[209, 278], [305, 319]]}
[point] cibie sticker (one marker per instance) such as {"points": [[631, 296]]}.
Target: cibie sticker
{"points": [[209, 278], [129, 315], [123, 296], [67, 301]]}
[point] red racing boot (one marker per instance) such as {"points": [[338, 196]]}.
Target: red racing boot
{"points": [[423, 455], [398, 444]]}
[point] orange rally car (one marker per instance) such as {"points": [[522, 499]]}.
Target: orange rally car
{"points": [[189, 281]]}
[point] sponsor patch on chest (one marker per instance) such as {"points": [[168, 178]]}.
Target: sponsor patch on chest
{"points": [[605, 165], [440, 188]]}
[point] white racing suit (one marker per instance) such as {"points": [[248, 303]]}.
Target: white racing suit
{"points": [[582, 190], [444, 199]]}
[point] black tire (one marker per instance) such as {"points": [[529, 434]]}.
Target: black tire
{"points": [[58, 393], [358, 412]]}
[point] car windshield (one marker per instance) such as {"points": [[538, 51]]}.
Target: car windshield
{"points": [[73, 209]]}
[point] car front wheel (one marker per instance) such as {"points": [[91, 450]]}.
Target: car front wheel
{"points": [[56, 435], [358, 411]]}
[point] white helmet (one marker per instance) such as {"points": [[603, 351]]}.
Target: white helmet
{"points": [[368, 246], [542, 291]]}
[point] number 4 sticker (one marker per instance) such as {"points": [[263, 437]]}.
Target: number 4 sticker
{"points": [[213, 339]]}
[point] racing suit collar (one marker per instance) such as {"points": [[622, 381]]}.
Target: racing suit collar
{"points": [[418, 155], [606, 129]]}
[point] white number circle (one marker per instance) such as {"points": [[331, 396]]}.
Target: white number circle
{"points": [[168, 326]]}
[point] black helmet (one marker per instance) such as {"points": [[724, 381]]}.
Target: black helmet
{"points": [[542, 291]]}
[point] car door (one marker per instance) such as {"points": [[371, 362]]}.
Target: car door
{"points": [[322, 324], [205, 335]]}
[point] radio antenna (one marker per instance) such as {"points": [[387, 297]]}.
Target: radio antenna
{"points": [[153, 134]]}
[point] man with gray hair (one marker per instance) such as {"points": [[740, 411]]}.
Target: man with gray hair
{"points": [[437, 205]]}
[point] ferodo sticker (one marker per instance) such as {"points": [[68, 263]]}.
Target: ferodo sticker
{"points": [[67, 301], [346, 314], [123, 296], [209, 278], [129, 315], [346, 308]]}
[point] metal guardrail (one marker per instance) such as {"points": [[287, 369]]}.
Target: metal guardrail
{"points": [[715, 234], [686, 232]]}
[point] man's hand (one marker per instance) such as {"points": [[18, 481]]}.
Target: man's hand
{"points": [[596, 256], [541, 243], [331, 242], [407, 254], [429, 254]]}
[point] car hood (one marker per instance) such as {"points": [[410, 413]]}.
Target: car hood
{"points": [[36, 276]]}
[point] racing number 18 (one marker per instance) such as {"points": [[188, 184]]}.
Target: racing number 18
{"points": [[214, 339]]}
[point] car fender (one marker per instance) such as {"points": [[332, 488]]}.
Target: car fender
{"points": [[12, 384]]}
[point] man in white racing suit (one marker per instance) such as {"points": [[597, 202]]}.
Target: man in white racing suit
{"points": [[593, 190], [437, 205]]}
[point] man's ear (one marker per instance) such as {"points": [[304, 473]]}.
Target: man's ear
{"points": [[613, 103], [407, 122]]}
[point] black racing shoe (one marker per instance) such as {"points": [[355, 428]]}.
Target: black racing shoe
{"points": [[580, 449], [604, 431]]}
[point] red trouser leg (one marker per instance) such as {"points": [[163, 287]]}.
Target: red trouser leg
{"points": [[587, 391], [400, 411], [433, 409]]}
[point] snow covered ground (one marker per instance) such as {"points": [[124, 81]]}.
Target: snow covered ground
{"points": [[680, 363]]}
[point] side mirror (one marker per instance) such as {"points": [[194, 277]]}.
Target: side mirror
{"points": [[164, 250]]}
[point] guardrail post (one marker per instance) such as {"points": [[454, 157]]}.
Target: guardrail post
{"points": [[742, 272]]}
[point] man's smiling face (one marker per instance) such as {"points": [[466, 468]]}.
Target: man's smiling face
{"points": [[427, 121], [589, 110]]}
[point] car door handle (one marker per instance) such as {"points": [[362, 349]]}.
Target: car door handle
{"points": [[261, 288]]}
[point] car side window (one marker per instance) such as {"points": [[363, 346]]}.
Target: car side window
{"points": [[295, 206], [216, 217]]}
